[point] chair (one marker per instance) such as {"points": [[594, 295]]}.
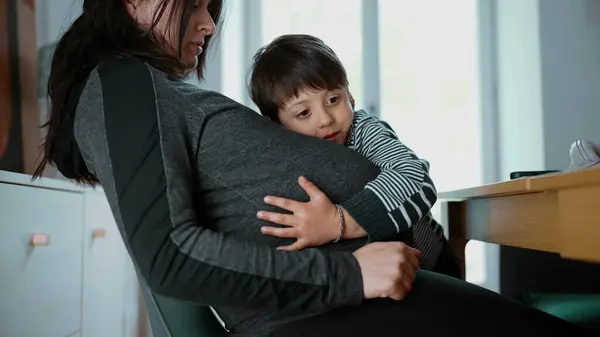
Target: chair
{"points": [[580, 309], [175, 318]]}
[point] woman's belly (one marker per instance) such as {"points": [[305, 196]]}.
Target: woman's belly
{"points": [[264, 159]]}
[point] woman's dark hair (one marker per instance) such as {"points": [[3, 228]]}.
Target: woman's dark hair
{"points": [[291, 63], [105, 30]]}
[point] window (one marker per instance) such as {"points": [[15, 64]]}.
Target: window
{"points": [[415, 63], [337, 22], [429, 84], [232, 66]]}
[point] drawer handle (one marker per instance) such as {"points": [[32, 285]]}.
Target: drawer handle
{"points": [[99, 233], [40, 239]]}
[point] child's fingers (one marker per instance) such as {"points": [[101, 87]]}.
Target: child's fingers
{"points": [[283, 203], [311, 189], [278, 218], [279, 232]]}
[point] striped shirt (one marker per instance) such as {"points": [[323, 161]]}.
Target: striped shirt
{"points": [[403, 193]]}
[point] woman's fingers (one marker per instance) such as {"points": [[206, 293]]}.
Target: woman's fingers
{"points": [[398, 294], [408, 276], [279, 232], [278, 218], [283, 203], [413, 257], [382, 266]]}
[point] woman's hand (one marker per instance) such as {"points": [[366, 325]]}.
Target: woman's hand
{"points": [[312, 223], [388, 269]]}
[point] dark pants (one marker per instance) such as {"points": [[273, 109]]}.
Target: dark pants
{"points": [[438, 306]]}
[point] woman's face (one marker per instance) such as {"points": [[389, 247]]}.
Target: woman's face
{"points": [[200, 26]]}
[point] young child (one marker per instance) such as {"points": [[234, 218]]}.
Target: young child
{"points": [[299, 82]]}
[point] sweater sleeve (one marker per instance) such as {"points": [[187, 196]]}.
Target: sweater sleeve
{"points": [[160, 215], [402, 194]]}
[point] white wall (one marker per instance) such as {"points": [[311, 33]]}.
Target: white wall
{"points": [[548, 80], [570, 63], [519, 92]]}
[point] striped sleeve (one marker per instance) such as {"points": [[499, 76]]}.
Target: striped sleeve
{"points": [[402, 194]]}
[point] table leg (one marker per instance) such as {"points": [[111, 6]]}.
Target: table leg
{"points": [[455, 221]]}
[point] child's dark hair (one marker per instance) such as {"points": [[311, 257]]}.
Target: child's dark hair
{"points": [[289, 64]]}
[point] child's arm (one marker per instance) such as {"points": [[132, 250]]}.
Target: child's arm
{"points": [[398, 198], [403, 192]]}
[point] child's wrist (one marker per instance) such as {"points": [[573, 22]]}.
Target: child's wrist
{"points": [[352, 230]]}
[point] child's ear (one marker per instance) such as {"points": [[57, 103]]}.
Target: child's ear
{"points": [[351, 99]]}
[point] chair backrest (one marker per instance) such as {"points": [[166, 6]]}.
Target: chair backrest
{"points": [[175, 318]]}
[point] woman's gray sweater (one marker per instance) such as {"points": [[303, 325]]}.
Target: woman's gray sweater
{"points": [[185, 171]]}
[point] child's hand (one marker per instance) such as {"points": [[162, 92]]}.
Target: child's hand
{"points": [[313, 223]]}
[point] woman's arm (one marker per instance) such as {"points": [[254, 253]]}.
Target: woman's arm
{"points": [[402, 194], [144, 163]]}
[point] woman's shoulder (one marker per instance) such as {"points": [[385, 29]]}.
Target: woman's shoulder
{"points": [[131, 76]]}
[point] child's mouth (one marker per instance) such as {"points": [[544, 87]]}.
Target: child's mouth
{"points": [[331, 136]]}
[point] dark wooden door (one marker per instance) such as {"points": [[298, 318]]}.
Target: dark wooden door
{"points": [[19, 113], [5, 92]]}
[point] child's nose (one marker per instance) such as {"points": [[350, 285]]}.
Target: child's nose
{"points": [[325, 119]]}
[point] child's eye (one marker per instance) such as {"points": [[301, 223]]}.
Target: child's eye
{"points": [[333, 100], [303, 113]]}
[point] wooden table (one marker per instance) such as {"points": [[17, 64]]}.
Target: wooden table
{"points": [[557, 213]]}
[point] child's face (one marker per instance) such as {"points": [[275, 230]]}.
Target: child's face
{"points": [[319, 113]]}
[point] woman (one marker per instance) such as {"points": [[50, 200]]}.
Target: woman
{"points": [[185, 171]]}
